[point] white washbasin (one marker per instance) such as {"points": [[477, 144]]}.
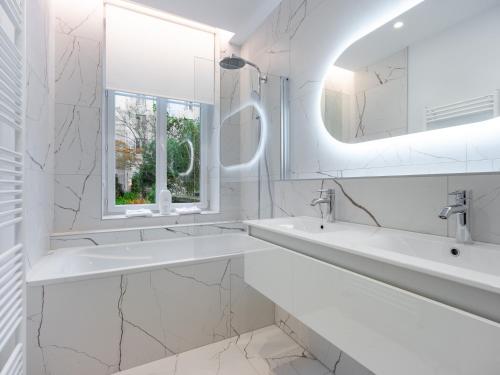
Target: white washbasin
{"points": [[465, 276], [302, 224]]}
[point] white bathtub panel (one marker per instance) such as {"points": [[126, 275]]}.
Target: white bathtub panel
{"points": [[388, 330], [35, 359], [245, 300], [181, 307], [142, 316], [167, 310], [74, 328]]}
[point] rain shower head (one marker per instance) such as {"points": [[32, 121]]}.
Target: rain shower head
{"points": [[235, 62], [232, 63]]}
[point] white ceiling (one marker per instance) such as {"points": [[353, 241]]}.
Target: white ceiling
{"points": [[241, 17], [422, 21]]}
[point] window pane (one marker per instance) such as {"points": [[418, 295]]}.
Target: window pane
{"points": [[183, 151], [135, 149]]}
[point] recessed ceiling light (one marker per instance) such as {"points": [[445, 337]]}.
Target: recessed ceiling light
{"points": [[398, 25]]}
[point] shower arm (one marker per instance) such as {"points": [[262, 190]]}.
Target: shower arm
{"points": [[261, 77]]}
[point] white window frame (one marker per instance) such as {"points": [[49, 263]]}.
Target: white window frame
{"points": [[111, 208]]}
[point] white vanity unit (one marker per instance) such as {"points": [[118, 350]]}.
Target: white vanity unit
{"points": [[397, 302]]}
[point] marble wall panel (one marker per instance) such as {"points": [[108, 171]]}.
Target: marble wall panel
{"points": [[408, 203], [113, 236], [79, 43], [39, 117], [290, 30]]}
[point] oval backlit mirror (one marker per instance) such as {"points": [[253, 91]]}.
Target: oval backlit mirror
{"points": [[435, 66]]}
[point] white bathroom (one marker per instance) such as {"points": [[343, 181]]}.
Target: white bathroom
{"points": [[265, 187]]}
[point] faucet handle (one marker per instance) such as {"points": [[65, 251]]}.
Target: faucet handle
{"points": [[327, 191], [460, 195]]}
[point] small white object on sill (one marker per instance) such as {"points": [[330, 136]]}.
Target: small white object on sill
{"points": [[188, 210], [165, 202], [140, 212]]}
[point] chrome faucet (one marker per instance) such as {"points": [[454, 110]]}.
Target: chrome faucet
{"points": [[461, 210], [328, 199]]}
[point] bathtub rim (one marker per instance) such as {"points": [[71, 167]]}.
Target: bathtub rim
{"points": [[34, 281]]}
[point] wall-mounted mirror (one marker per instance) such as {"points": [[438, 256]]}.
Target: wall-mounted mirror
{"points": [[435, 66], [239, 124]]}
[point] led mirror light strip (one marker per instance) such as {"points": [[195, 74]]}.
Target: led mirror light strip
{"points": [[262, 140], [399, 155], [191, 158]]}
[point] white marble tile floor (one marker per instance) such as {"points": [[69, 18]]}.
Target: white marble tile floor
{"points": [[267, 351]]}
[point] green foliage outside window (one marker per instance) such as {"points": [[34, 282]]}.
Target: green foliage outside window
{"points": [[138, 154], [183, 188], [143, 181]]}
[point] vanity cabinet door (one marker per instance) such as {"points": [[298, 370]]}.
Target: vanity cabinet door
{"points": [[386, 329]]}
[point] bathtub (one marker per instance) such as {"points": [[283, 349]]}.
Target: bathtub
{"points": [[79, 263], [101, 309]]}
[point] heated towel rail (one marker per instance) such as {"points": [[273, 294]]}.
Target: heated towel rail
{"points": [[483, 107], [12, 289]]}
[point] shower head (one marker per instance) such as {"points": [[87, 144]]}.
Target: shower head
{"points": [[232, 63], [235, 62]]}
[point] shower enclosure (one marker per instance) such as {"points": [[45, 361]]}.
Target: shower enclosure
{"points": [[252, 132]]}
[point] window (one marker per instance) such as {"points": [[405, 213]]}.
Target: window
{"points": [[135, 149], [154, 142], [160, 97]]}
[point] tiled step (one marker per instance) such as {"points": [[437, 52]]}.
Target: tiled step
{"points": [[263, 352]]}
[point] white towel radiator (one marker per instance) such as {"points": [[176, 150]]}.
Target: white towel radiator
{"points": [[487, 106], [12, 286]]}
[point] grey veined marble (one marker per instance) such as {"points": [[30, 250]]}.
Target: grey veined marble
{"points": [[262, 352], [104, 325]]}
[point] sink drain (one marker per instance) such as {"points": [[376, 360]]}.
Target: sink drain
{"points": [[455, 252]]}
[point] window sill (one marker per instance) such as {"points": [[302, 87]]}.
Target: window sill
{"points": [[155, 215]]}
